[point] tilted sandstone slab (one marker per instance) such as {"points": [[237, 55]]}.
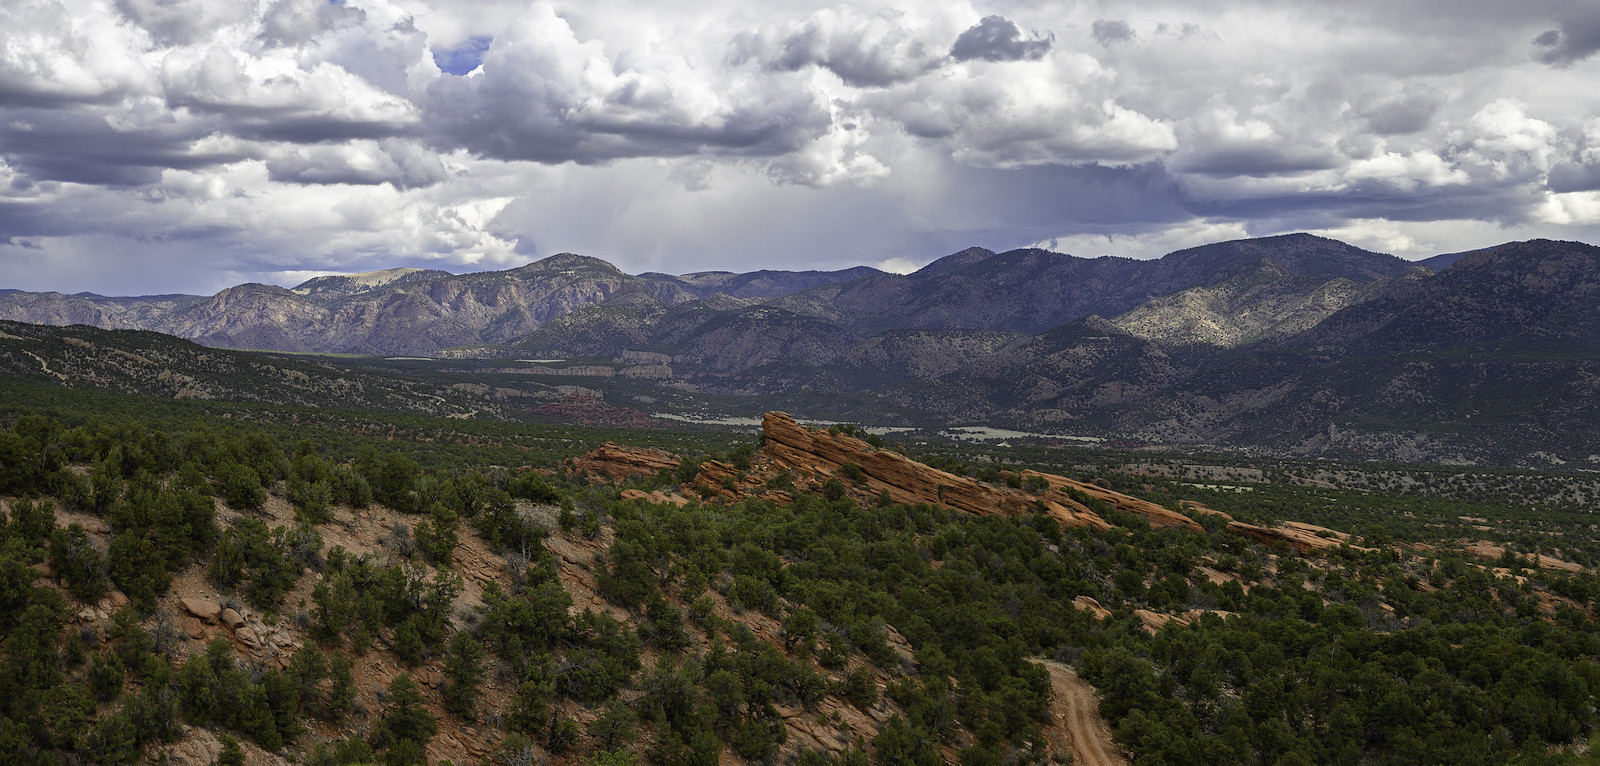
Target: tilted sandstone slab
{"points": [[1304, 538], [619, 462], [791, 445], [1158, 516]]}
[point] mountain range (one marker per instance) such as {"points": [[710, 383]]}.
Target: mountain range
{"points": [[419, 312], [1291, 344]]}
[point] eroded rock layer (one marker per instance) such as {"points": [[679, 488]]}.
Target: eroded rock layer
{"points": [[790, 445]]}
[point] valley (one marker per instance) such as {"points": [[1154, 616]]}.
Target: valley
{"points": [[1291, 346]]}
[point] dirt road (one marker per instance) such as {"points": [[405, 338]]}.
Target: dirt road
{"points": [[1077, 726]]}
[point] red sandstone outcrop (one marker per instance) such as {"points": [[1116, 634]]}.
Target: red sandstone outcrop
{"points": [[1199, 509], [1488, 550], [619, 462], [790, 445], [1090, 605], [1158, 516], [1304, 538]]}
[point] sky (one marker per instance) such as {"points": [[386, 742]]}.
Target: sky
{"points": [[153, 146]]}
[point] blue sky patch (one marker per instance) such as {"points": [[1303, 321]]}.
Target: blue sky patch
{"points": [[464, 57]]}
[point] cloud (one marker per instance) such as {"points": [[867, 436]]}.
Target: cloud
{"points": [[863, 50], [125, 148], [1148, 244], [289, 23], [997, 38], [305, 135], [1109, 33], [1576, 39], [183, 22], [51, 56], [1221, 143], [1028, 113], [546, 96], [402, 163], [274, 97], [1507, 144], [899, 265], [1412, 109]]}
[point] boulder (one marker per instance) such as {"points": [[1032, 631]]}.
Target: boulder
{"points": [[193, 628], [204, 609], [232, 619]]}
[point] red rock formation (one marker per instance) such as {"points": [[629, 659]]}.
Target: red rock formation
{"points": [[789, 445], [1158, 516], [1304, 538], [1488, 550], [619, 462], [1199, 509], [1093, 607]]}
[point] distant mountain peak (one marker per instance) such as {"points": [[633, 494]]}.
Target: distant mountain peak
{"points": [[956, 260], [568, 261]]}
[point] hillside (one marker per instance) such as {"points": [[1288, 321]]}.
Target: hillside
{"points": [[1293, 345], [155, 365], [194, 596]]}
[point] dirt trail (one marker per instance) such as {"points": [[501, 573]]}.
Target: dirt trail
{"points": [[1077, 724]]}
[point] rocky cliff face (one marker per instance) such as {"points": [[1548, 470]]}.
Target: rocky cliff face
{"points": [[1267, 302], [97, 310]]}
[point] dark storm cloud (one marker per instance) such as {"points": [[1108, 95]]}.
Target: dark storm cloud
{"points": [[308, 129], [1231, 160], [1109, 33], [996, 38], [1576, 39], [25, 92], [1574, 177], [1043, 196], [1411, 110], [80, 147]]}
